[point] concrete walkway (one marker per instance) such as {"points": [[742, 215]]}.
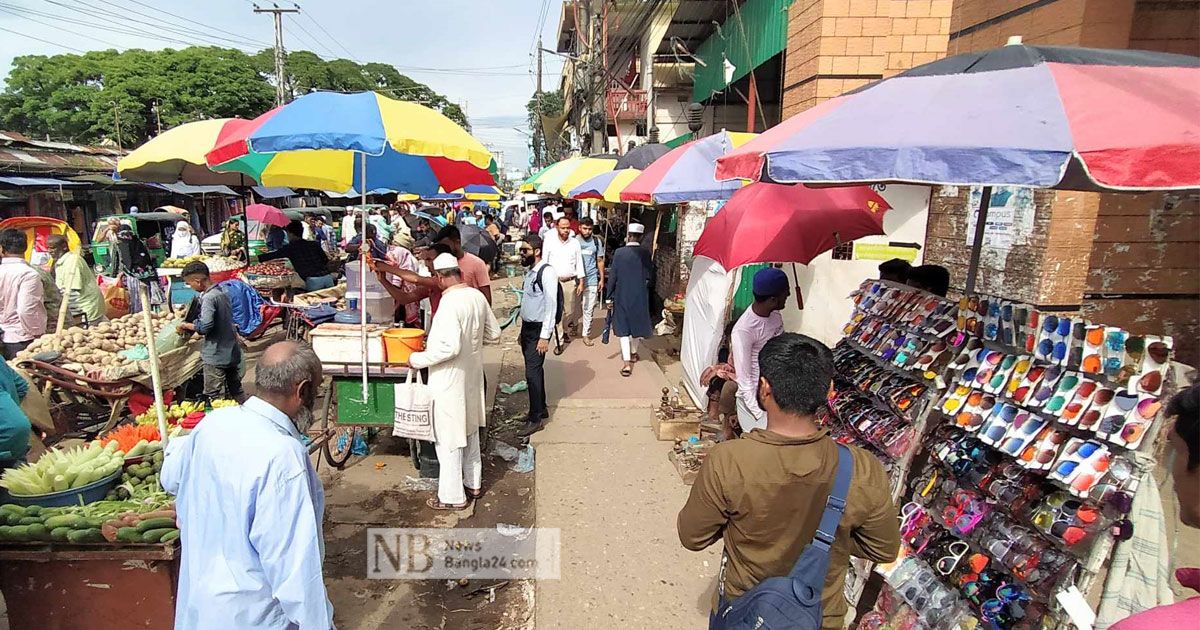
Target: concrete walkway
{"points": [[605, 481]]}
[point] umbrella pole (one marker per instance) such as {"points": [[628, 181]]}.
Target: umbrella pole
{"points": [[657, 227], [152, 348], [985, 201], [363, 251], [796, 279]]}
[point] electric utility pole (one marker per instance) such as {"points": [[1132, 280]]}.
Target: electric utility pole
{"points": [[539, 143], [280, 84], [117, 120]]}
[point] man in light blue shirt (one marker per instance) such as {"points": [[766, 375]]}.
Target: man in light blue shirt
{"points": [[250, 506], [540, 311], [592, 250]]}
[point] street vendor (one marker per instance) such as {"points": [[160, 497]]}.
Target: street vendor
{"points": [[251, 506], [220, 352], [76, 281], [762, 322], [307, 257], [233, 240], [184, 242]]}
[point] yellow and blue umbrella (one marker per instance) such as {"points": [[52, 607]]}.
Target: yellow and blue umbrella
{"points": [[605, 186], [333, 141], [559, 178], [178, 155], [480, 192]]}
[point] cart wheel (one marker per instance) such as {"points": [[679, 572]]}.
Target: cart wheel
{"points": [[337, 447], [559, 349]]}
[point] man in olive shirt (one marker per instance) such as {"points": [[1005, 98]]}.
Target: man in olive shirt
{"points": [[763, 494]]}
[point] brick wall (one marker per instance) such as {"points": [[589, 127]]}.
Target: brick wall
{"points": [[1144, 273], [835, 46], [982, 24], [1170, 26]]}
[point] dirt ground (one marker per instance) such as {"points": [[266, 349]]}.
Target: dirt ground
{"points": [[365, 494]]}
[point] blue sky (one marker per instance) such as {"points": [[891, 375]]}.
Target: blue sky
{"points": [[479, 50]]}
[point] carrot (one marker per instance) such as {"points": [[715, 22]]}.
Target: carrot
{"points": [[127, 436]]}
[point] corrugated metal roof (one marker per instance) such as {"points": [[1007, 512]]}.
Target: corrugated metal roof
{"points": [[38, 182], [185, 189], [751, 36], [19, 153]]}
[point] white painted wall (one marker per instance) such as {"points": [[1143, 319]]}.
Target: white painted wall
{"points": [[826, 283]]}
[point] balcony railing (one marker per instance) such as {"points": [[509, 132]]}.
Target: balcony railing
{"points": [[625, 105]]}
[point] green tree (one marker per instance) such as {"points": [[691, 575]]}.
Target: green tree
{"points": [[80, 97], [543, 104]]}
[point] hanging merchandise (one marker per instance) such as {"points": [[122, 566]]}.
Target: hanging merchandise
{"points": [[1011, 434]]}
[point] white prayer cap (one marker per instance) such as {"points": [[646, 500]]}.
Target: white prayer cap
{"points": [[445, 262], [636, 228]]}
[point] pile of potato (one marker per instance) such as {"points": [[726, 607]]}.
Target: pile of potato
{"points": [[95, 348]]}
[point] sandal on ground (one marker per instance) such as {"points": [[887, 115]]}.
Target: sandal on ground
{"points": [[474, 494], [635, 357], [436, 504], [626, 371], [588, 342]]}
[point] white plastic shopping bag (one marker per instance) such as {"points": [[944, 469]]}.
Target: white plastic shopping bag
{"points": [[414, 409]]}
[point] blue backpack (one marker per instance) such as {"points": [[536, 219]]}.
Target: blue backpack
{"points": [[792, 601]]}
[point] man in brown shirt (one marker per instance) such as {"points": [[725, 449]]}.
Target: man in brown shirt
{"points": [[764, 494]]}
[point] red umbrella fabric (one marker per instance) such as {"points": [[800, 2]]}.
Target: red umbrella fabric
{"points": [[780, 223], [270, 215]]}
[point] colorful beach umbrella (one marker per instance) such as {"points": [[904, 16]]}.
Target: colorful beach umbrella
{"points": [[480, 192], [559, 178], [321, 140], [778, 223], [178, 155], [605, 186], [1037, 116], [687, 173]]}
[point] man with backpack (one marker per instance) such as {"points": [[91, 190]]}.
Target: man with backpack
{"points": [[541, 310], [771, 498]]}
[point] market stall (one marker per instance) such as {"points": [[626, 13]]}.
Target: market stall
{"points": [[93, 525], [89, 375], [1017, 442]]}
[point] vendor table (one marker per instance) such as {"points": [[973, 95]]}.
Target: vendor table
{"points": [[64, 587]]}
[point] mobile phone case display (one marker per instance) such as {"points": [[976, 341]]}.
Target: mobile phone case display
{"points": [[889, 378], [1029, 474]]}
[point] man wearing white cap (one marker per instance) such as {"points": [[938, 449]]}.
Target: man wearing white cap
{"points": [[454, 355], [629, 291]]}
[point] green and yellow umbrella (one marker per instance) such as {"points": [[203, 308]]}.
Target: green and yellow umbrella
{"points": [[559, 178]]}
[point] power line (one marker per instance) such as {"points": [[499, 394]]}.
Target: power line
{"points": [[211, 28], [156, 23], [59, 28], [110, 29], [44, 41], [138, 31], [327, 33], [316, 41]]}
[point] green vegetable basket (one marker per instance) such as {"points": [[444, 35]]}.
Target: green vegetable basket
{"points": [[90, 493]]}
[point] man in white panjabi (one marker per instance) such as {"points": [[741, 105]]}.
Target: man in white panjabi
{"points": [[454, 355]]}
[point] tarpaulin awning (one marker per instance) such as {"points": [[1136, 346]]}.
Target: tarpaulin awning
{"points": [[268, 192], [38, 182], [185, 189]]}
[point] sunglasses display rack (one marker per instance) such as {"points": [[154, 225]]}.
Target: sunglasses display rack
{"points": [[1029, 472], [888, 380]]}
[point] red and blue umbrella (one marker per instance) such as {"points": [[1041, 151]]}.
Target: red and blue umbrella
{"points": [[1037, 116], [686, 173]]}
